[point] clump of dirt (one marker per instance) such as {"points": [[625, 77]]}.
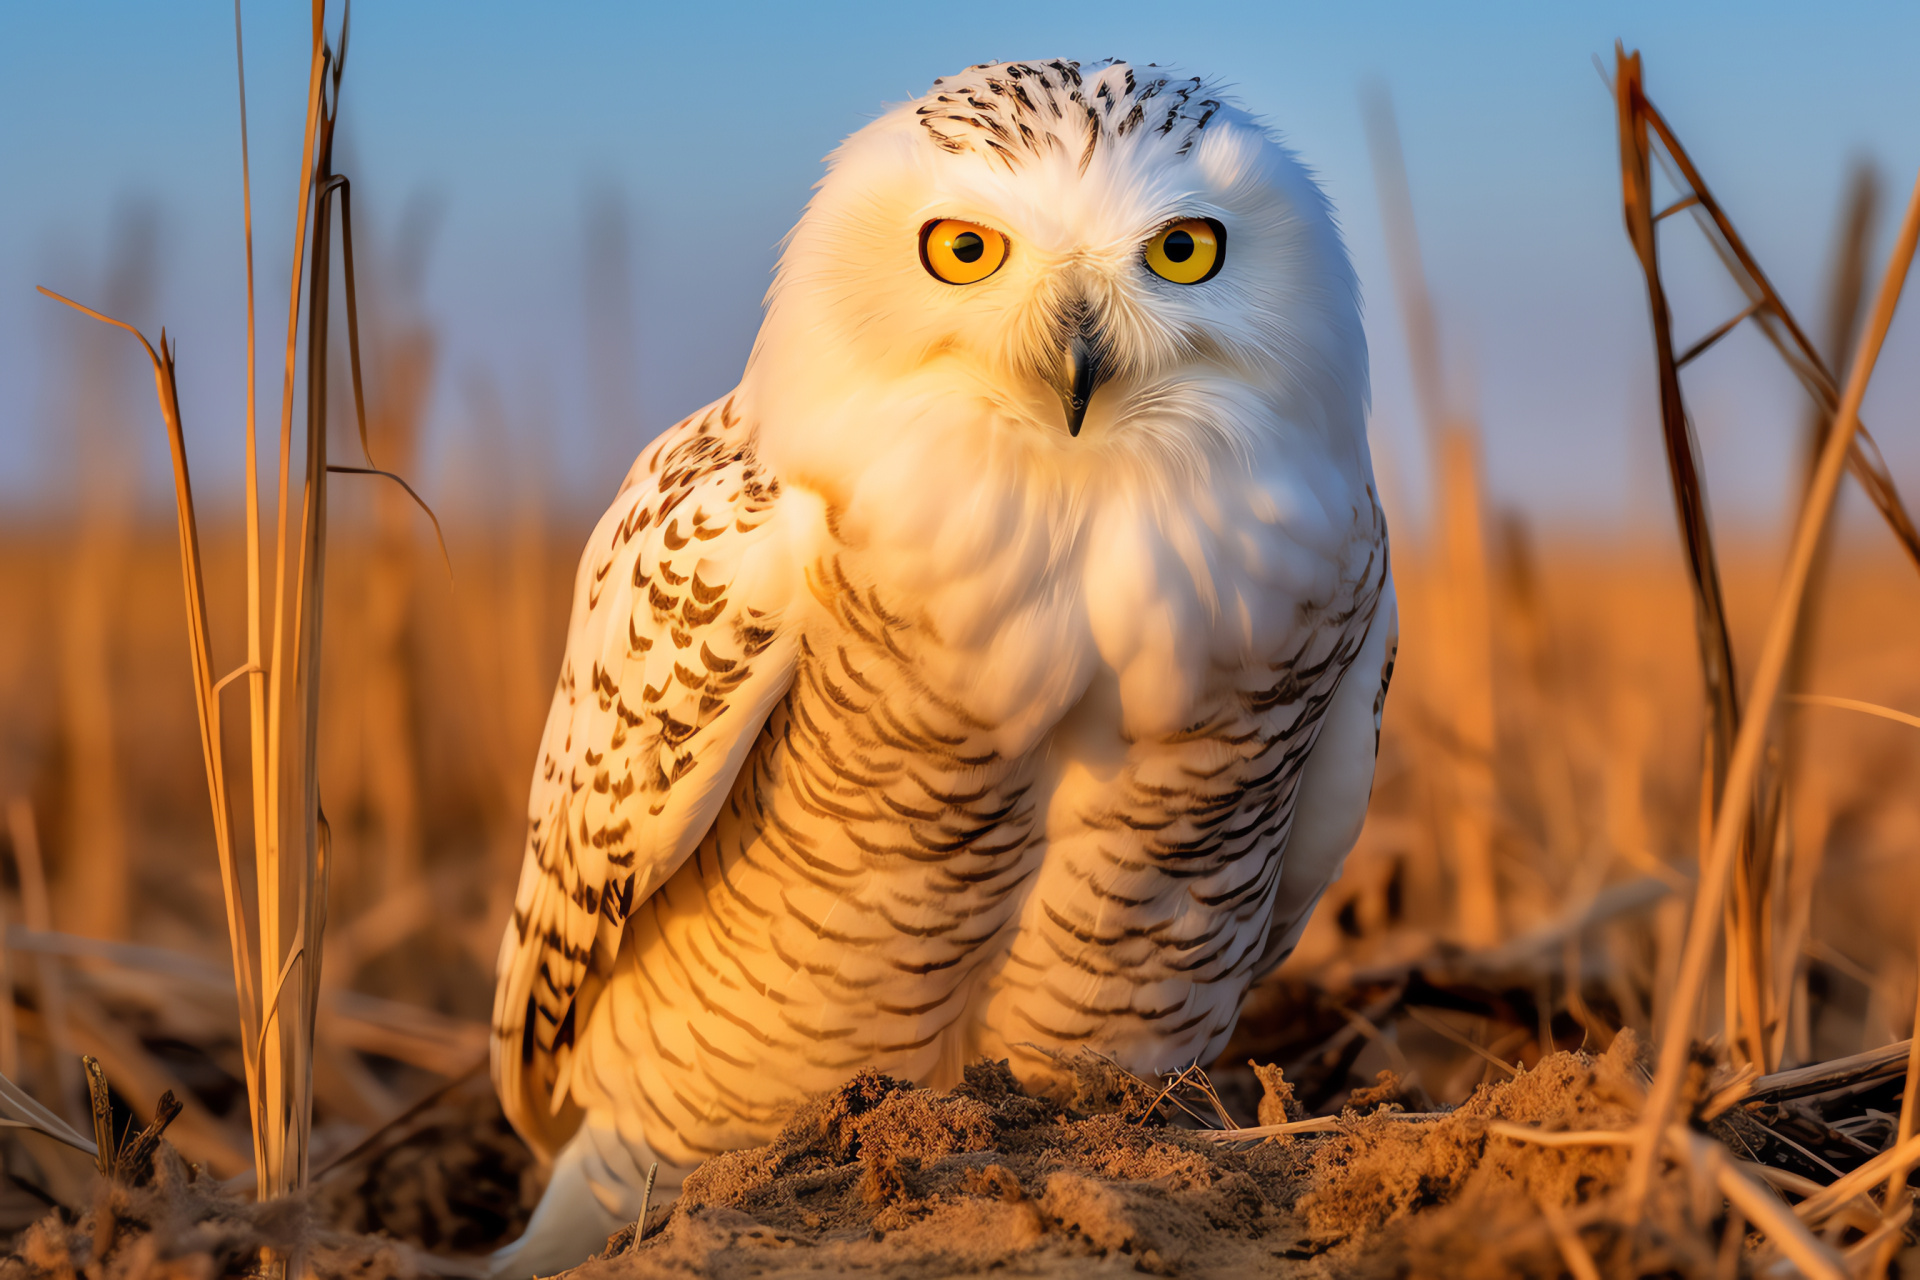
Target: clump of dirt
{"points": [[1400, 1194], [1389, 1089], [1091, 1083], [1373, 1180], [1277, 1103]]}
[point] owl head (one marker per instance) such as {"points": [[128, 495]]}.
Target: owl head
{"points": [[1104, 260]]}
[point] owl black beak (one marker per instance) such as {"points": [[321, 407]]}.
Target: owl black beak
{"points": [[1081, 372]]}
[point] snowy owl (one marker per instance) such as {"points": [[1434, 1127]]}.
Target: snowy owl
{"points": [[996, 671]]}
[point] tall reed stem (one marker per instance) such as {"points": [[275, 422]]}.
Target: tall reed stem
{"points": [[276, 944], [256, 670]]}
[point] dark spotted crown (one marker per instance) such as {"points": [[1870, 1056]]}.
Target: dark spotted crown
{"points": [[1015, 111]]}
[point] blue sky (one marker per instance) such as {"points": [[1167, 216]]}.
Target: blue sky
{"points": [[503, 125]]}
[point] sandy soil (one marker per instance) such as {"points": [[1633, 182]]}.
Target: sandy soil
{"points": [[886, 1180], [883, 1179]]}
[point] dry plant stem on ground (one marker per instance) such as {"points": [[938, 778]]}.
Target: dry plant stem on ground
{"points": [[1897, 1178], [1730, 822]]}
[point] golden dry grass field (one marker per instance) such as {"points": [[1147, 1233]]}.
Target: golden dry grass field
{"points": [[431, 710]]}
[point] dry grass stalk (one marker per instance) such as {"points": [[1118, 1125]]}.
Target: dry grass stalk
{"points": [[1762, 1207], [1846, 289], [1899, 1205], [19, 1109], [1745, 1015], [1829, 1199], [1292, 1128], [9, 1024], [92, 882], [1572, 1250], [1731, 821], [1458, 607], [255, 670], [1562, 1137], [646, 1198], [101, 1106], [1773, 317], [1762, 973], [136, 1073], [1432, 1023], [276, 938], [49, 983], [206, 689], [293, 876], [1855, 704], [1876, 1064]]}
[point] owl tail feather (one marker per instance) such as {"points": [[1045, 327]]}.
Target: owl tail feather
{"points": [[594, 1191]]}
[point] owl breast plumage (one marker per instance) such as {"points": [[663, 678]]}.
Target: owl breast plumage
{"points": [[899, 725]]}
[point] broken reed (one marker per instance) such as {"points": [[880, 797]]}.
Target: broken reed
{"points": [[276, 931], [1456, 612], [1759, 916], [1690, 505], [1742, 792]]}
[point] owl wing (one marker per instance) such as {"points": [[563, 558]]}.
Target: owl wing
{"points": [[1337, 782], [675, 656]]}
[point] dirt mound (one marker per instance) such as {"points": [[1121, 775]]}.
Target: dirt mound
{"points": [[881, 1178]]}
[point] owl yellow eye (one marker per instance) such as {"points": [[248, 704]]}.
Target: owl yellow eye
{"points": [[961, 252], [1189, 251]]}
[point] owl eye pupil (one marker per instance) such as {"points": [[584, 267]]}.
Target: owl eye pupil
{"points": [[968, 246], [1178, 246]]}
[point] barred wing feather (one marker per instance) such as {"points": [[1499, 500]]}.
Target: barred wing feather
{"points": [[1336, 784], [675, 656]]}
